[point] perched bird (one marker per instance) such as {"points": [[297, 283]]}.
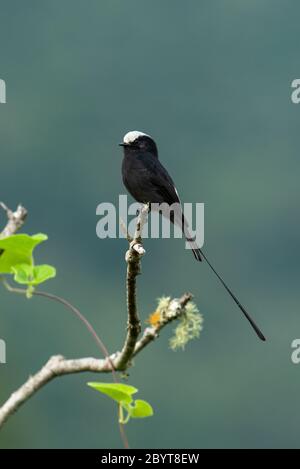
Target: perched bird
{"points": [[148, 181]]}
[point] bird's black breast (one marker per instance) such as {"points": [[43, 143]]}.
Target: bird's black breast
{"points": [[147, 180]]}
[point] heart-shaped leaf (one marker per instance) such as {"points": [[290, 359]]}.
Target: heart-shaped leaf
{"points": [[17, 249], [33, 275], [117, 391], [140, 409]]}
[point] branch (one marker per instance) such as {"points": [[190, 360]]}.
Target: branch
{"points": [[56, 366], [133, 259], [119, 361], [175, 309], [15, 220], [60, 366]]}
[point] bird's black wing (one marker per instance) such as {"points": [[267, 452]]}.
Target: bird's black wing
{"points": [[161, 189], [148, 181], [159, 185]]}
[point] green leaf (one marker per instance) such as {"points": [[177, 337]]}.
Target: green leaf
{"points": [[17, 249], [43, 272], [140, 409], [23, 273], [33, 275], [120, 393]]}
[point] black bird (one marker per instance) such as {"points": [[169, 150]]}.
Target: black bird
{"points": [[148, 181]]}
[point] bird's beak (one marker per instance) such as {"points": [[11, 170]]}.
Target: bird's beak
{"points": [[123, 144]]}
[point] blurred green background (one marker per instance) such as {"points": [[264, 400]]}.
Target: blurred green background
{"points": [[211, 81]]}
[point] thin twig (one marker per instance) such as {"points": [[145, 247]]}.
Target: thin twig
{"points": [[133, 257], [125, 231], [75, 311], [175, 309], [81, 365], [15, 220], [58, 365]]}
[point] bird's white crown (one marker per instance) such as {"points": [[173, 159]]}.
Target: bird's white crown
{"points": [[130, 137]]}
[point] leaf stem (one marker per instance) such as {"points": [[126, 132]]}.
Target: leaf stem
{"points": [[87, 324]]}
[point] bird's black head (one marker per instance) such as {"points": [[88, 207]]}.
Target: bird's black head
{"points": [[138, 142]]}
